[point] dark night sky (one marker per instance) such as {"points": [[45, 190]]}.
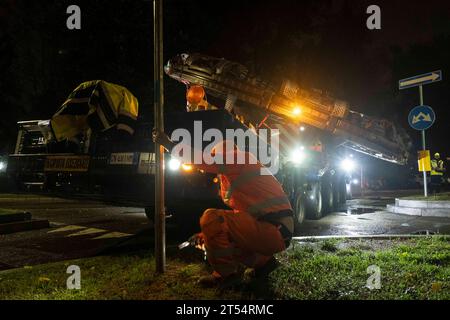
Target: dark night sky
{"points": [[319, 43]]}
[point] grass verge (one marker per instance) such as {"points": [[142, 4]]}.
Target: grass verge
{"points": [[110, 277], [331, 269], [8, 211], [409, 269]]}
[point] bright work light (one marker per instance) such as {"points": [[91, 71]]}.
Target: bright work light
{"points": [[186, 167], [296, 111], [297, 156], [174, 164], [348, 165]]}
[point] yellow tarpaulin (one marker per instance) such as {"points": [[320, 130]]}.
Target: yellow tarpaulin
{"points": [[98, 105]]}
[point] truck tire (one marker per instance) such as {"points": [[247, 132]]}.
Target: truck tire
{"points": [[339, 192], [314, 202], [299, 209], [337, 196], [342, 187], [327, 197], [150, 213], [348, 190]]}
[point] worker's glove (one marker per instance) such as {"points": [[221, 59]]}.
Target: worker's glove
{"points": [[198, 241], [161, 138]]}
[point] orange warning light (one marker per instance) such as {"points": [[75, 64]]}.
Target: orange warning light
{"points": [[195, 94]]}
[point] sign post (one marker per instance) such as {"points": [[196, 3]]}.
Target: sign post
{"points": [[425, 186], [158, 97], [421, 117]]}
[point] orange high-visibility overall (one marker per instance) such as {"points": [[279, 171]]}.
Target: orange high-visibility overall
{"points": [[240, 235]]}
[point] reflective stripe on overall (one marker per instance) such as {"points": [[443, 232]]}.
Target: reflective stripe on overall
{"points": [[234, 238]]}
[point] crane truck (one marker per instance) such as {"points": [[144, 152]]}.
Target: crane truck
{"points": [[315, 131]]}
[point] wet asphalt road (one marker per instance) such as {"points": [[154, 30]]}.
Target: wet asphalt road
{"points": [[78, 228], [368, 216], [81, 228]]}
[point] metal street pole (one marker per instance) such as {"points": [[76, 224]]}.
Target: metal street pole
{"points": [[158, 94], [362, 185], [425, 187]]}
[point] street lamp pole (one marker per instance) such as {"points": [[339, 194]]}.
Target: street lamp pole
{"points": [[158, 97], [362, 185]]}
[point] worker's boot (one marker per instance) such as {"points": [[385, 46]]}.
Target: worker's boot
{"points": [[267, 268], [215, 280], [209, 281]]}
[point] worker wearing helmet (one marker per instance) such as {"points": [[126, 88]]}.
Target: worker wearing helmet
{"points": [[258, 224], [437, 172]]}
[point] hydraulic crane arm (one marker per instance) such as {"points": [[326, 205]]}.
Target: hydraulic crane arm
{"points": [[231, 81]]}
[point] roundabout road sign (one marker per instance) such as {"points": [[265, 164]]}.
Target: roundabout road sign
{"points": [[421, 117]]}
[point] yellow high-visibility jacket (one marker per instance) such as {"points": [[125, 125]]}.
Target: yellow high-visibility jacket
{"points": [[437, 167], [98, 105]]}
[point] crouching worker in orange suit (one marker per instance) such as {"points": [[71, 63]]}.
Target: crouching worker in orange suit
{"points": [[259, 224]]}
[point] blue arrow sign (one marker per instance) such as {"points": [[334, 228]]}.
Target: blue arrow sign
{"points": [[422, 79], [421, 117]]}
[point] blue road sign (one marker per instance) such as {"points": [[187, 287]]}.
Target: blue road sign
{"points": [[421, 117], [419, 80]]}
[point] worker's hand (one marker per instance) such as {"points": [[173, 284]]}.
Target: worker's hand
{"points": [[198, 240], [161, 138]]}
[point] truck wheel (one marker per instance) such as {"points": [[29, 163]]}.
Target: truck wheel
{"points": [[327, 197], [336, 195], [299, 209], [314, 202], [348, 190], [150, 213], [342, 187]]}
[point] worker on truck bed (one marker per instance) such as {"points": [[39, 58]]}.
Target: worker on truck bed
{"points": [[259, 224]]}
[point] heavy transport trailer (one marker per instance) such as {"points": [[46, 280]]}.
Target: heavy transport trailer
{"points": [[115, 169], [317, 132], [121, 170]]}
